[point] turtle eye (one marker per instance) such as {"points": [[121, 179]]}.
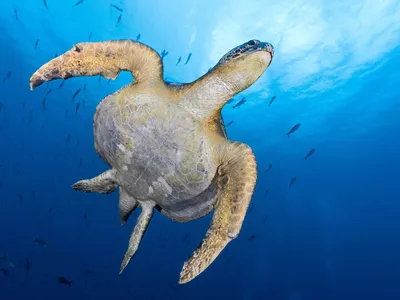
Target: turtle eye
{"points": [[253, 42]]}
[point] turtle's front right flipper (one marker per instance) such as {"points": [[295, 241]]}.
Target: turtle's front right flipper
{"points": [[106, 58], [104, 183]]}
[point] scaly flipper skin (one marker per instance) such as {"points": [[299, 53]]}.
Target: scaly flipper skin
{"points": [[237, 176], [127, 205], [138, 232], [103, 184], [106, 58]]}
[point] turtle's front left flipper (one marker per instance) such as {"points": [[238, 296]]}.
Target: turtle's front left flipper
{"points": [[237, 177], [138, 232], [104, 183], [106, 58]]}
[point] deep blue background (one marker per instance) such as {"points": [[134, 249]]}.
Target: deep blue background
{"points": [[333, 235]]}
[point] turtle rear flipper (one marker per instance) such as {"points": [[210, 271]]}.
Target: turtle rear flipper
{"points": [[106, 58], [237, 175], [127, 205], [103, 183], [138, 232]]}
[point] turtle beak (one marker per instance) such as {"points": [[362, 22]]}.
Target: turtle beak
{"points": [[268, 48]]}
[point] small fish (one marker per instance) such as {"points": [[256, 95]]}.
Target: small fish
{"points": [[265, 218], [44, 103], [76, 93], [68, 138], [185, 237], [229, 124], [62, 83], [267, 192], [63, 280], [294, 128], [37, 43], [99, 79], [45, 4], [269, 168], [77, 108], [311, 152], [49, 91], [27, 266], [117, 8], [138, 37], [7, 77], [272, 100], [84, 87], [90, 36], [77, 3], [5, 272], [179, 60], [55, 55], [240, 103], [16, 14], [80, 162], [163, 54], [119, 20], [40, 242], [188, 58], [252, 237], [230, 100], [292, 181], [7, 261]]}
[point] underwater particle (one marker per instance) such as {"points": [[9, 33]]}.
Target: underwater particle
{"points": [[229, 124], [77, 108], [269, 168], [37, 43], [179, 60], [62, 83], [294, 128]]}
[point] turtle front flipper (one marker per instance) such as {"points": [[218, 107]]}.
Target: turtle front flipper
{"points": [[106, 58], [104, 183], [237, 175], [127, 205], [137, 233]]}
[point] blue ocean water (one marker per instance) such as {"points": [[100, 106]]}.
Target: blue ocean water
{"points": [[334, 234]]}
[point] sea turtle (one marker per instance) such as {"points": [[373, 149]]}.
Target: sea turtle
{"points": [[166, 143]]}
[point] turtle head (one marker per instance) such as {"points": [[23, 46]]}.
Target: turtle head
{"points": [[244, 64]]}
